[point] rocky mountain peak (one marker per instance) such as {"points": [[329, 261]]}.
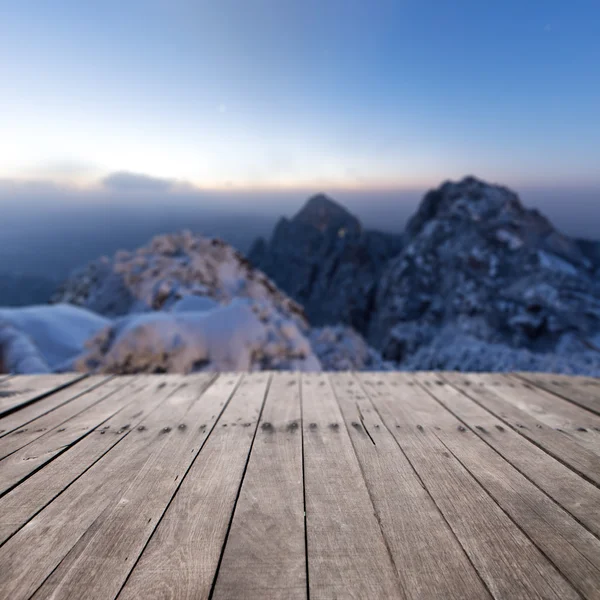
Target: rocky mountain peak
{"points": [[470, 199], [476, 258], [322, 213]]}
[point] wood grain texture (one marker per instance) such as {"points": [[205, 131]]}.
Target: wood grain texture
{"points": [[87, 392], [265, 555], [22, 418], [421, 486], [183, 554], [348, 556], [505, 558], [27, 499], [21, 390], [574, 494], [33, 553], [570, 547], [98, 565], [550, 409], [428, 557], [582, 391], [96, 409], [560, 445]]}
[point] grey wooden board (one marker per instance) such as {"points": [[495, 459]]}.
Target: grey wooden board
{"points": [[562, 446], [22, 418], [574, 494], [572, 549], [33, 553], [585, 394], [347, 554], [21, 390], [465, 506], [505, 558], [25, 461], [265, 552], [428, 557], [183, 554], [98, 565], [28, 498], [87, 392], [550, 409]]}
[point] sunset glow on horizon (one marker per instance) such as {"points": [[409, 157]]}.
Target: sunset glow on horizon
{"points": [[311, 95]]}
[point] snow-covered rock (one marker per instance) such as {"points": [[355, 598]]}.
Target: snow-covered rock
{"points": [[235, 337], [185, 303], [340, 348], [453, 350], [41, 338], [476, 259], [18, 353], [157, 276]]}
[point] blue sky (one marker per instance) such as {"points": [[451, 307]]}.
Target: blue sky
{"points": [[323, 94]]}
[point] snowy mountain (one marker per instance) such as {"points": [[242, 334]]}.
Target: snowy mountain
{"points": [[326, 261], [476, 282], [475, 259], [474, 267]]}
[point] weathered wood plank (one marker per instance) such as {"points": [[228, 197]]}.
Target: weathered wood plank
{"points": [[84, 393], [23, 462], [98, 565], [428, 557], [550, 409], [265, 552], [571, 548], [27, 499], [20, 419], [347, 553], [36, 550], [574, 494], [21, 390], [182, 557], [505, 558], [583, 461], [585, 394]]}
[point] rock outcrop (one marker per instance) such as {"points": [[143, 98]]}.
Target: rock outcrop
{"points": [[326, 261], [476, 259]]}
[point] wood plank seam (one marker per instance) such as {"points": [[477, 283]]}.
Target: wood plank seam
{"points": [[554, 392], [523, 473], [159, 520], [304, 492], [239, 490], [126, 433], [205, 387], [532, 441], [12, 409], [91, 531], [65, 448], [420, 479], [375, 510], [518, 525], [68, 418], [69, 400], [542, 552], [181, 482]]}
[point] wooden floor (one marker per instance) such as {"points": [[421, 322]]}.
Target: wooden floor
{"points": [[280, 485]]}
